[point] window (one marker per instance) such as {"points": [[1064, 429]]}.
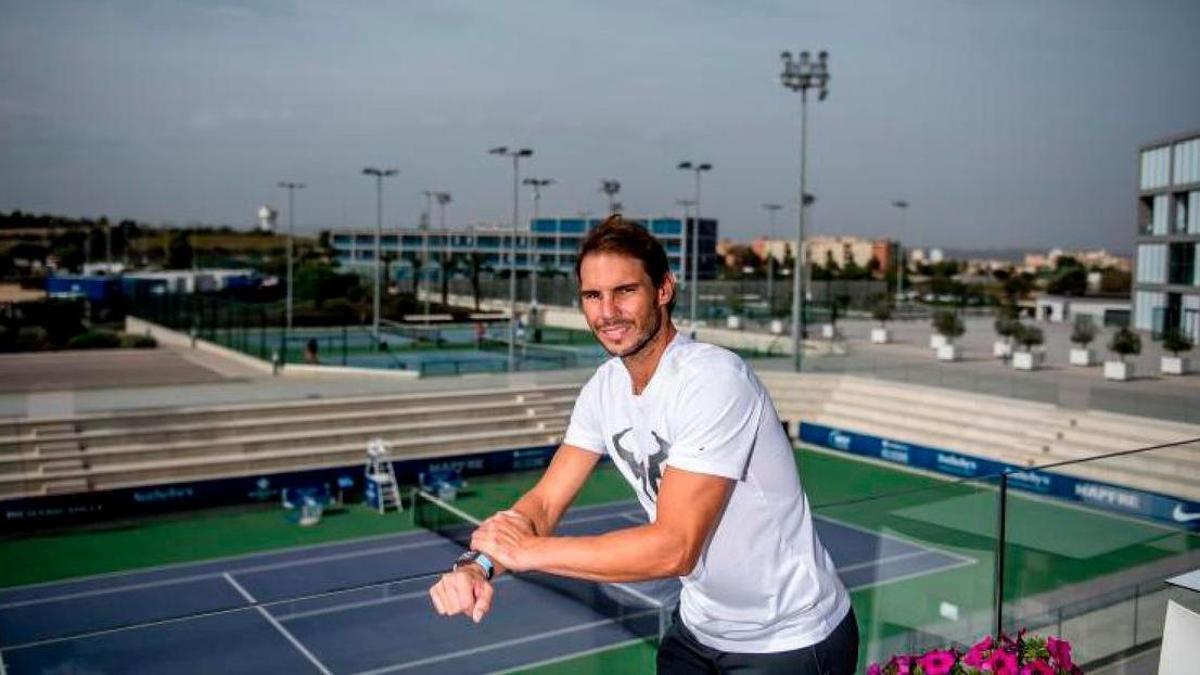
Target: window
{"points": [[1180, 224], [1181, 263]]}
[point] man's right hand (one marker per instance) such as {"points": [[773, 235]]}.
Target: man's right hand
{"points": [[466, 590]]}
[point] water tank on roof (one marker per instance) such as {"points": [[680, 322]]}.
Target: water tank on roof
{"points": [[266, 218]]}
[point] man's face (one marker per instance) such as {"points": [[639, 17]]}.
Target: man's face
{"points": [[620, 303]]}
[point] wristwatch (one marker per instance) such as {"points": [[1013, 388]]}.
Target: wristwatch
{"points": [[477, 557]]}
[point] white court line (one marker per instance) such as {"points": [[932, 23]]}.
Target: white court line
{"points": [[889, 535], [201, 563], [914, 575], [332, 609], [499, 645], [883, 561], [568, 657], [217, 574], [278, 626], [433, 540]]}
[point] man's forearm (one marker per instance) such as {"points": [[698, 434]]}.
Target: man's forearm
{"points": [[632, 554]]}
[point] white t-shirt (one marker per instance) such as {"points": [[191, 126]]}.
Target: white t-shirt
{"points": [[764, 583]]}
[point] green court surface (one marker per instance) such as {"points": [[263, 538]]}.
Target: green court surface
{"points": [[1050, 544]]}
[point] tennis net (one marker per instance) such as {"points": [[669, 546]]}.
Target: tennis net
{"points": [[644, 610]]}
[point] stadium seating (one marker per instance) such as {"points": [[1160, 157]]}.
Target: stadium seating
{"points": [[97, 452], [1019, 432]]}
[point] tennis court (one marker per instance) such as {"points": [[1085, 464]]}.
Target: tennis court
{"points": [[360, 605]]}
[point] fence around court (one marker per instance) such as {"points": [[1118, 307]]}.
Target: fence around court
{"points": [[432, 348]]}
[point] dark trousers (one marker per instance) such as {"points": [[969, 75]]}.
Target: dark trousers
{"points": [[680, 653]]}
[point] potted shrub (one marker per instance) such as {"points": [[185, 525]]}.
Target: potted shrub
{"points": [[736, 307], [1082, 333], [1006, 325], [949, 326], [1175, 341], [829, 331], [1124, 343], [882, 312], [1027, 337]]}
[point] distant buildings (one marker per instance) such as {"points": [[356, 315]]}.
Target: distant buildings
{"points": [[548, 244], [1099, 258], [1166, 288]]}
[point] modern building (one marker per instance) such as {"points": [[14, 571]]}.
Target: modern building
{"points": [[843, 250], [549, 244], [1166, 282]]}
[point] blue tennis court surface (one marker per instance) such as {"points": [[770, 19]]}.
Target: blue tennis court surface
{"points": [[92, 625]]}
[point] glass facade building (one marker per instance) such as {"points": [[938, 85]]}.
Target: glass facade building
{"points": [[1166, 288], [547, 244]]}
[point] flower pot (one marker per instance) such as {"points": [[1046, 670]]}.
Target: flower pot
{"points": [[733, 321], [1083, 357], [937, 341], [776, 326], [949, 352], [1001, 349], [1174, 365], [1118, 370], [829, 331], [880, 336], [1026, 360]]}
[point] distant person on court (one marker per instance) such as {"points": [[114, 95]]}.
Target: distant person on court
{"points": [[695, 434], [310, 352]]}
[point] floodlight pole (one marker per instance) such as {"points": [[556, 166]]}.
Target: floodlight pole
{"points": [[903, 206], [291, 188], [684, 265], [801, 75], [516, 156], [772, 209], [537, 184], [696, 168], [379, 175]]}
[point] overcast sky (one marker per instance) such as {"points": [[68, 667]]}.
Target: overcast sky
{"points": [[1011, 123]]}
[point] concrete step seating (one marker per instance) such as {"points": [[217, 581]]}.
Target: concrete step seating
{"points": [[138, 453], [1135, 472], [278, 460], [12, 430], [317, 421], [1014, 431], [143, 448]]}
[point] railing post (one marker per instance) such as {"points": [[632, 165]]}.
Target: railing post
{"points": [[1001, 519]]}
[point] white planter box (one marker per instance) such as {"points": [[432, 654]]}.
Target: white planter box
{"points": [[880, 336], [1174, 365], [1027, 360], [829, 331], [1118, 370], [948, 352], [1001, 349], [937, 341], [733, 321], [1083, 357], [776, 326]]}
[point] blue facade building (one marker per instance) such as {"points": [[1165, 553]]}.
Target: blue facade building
{"points": [[547, 244]]}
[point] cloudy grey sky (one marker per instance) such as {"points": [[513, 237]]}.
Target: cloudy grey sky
{"points": [[1010, 123]]}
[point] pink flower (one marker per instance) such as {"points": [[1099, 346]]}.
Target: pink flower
{"points": [[1060, 652], [976, 654], [1038, 667], [938, 662], [1001, 663], [901, 664], [874, 669]]}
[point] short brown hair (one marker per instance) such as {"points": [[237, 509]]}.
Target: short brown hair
{"points": [[628, 238]]}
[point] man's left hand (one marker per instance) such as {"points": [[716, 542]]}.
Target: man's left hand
{"points": [[506, 537]]}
